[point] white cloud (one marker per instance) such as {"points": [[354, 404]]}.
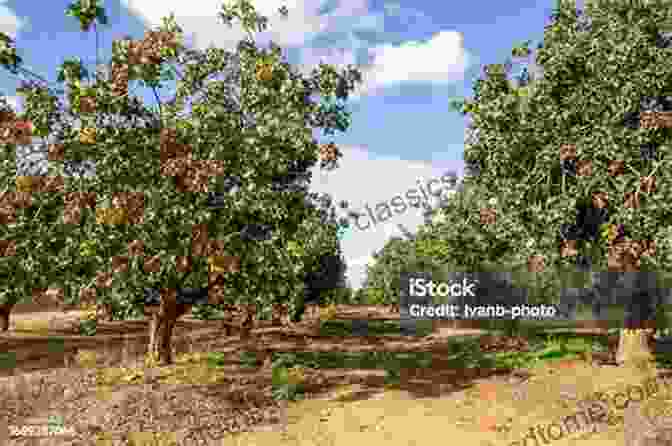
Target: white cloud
{"points": [[351, 8], [353, 182], [442, 59], [199, 20], [311, 57], [10, 23]]}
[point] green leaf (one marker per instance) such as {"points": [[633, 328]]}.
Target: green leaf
{"points": [[100, 15]]}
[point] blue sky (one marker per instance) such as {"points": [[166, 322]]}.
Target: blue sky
{"points": [[415, 56]]}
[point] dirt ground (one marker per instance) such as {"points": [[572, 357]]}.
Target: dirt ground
{"points": [[111, 399]]}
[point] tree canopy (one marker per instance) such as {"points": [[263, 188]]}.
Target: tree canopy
{"points": [[568, 164], [207, 192], [580, 172]]}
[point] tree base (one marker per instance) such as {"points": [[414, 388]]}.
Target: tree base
{"points": [[634, 347], [247, 325], [5, 310], [162, 322]]}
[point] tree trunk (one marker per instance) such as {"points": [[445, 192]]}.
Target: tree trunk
{"points": [[280, 316], [5, 309], [276, 316], [161, 327], [634, 346], [634, 341], [105, 312], [248, 323]]}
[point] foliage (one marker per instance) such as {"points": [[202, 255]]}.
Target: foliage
{"points": [[455, 243], [255, 134], [205, 312], [381, 286], [576, 157], [288, 383], [88, 327], [564, 180]]}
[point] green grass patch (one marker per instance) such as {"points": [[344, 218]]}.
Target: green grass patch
{"points": [[340, 327], [7, 360], [458, 353], [462, 352]]}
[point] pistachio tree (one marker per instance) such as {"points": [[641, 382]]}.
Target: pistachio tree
{"points": [[579, 173], [183, 204], [317, 242]]}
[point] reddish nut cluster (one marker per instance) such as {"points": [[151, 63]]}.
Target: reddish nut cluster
{"points": [[52, 183], [632, 200], [7, 116], [23, 132], [183, 264], [148, 50], [47, 296], [568, 248], [16, 132], [655, 120], [39, 183], [104, 280], [144, 52], [584, 168], [119, 79], [10, 202], [648, 184], [567, 152], [73, 204], [136, 248], [120, 264], [7, 248], [536, 264], [616, 168], [600, 200], [199, 240], [87, 295], [174, 156], [21, 200], [152, 264], [329, 152], [56, 152], [81, 199], [192, 175], [216, 292], [87, 104], [488, 216], [72, 216], [133, 203], [625, 255], [215, 248]]}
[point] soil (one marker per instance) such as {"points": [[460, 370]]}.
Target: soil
{"points": [[474, 406]]}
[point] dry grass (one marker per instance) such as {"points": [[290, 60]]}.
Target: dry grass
{"points": [[187, 403], [137, 403], [43, 323]]}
